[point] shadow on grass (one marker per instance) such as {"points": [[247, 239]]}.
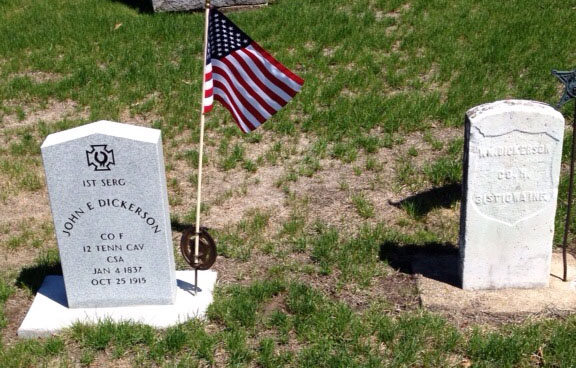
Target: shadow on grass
{"points": [[437, 261], [420, 204], [143, 6], [180, 226], [32, 277]]}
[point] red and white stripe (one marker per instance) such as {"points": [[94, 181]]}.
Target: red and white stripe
{"points": [[251, 84]]}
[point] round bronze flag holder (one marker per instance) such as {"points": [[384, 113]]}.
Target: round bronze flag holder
{"points": [[206, 250], [198, 250]]}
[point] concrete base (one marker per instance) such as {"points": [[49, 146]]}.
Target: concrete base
{"points": [[439, 287], [49, 312]]}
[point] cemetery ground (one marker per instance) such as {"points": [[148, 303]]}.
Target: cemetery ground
{"points": [[318, 213]]}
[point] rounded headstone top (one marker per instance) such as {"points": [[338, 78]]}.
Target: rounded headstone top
{"points": [[498, 116], [501, 106]]}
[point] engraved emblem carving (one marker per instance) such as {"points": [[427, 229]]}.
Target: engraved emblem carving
{"points": [[100, 157], [511, 177]]}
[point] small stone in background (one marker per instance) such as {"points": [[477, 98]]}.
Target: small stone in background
{"points": [[185, 5]]}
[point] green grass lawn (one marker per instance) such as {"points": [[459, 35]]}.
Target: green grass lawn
{"points": [[300, 208]]}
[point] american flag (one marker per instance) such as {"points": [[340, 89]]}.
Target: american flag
{"points": [[245, 78]]}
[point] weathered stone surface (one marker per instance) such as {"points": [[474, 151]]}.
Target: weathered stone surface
{"points": [[184, 5], [109, 203], [512, 159]]}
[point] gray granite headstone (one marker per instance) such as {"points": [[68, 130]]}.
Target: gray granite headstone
{"points": [[184, 5], [107, 189], [512, 157]]}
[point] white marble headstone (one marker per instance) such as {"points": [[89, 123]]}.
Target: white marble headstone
{"points": [[512, 157], [107, 189]]}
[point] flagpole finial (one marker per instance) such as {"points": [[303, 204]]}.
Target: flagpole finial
{"points": [[207, 4]]}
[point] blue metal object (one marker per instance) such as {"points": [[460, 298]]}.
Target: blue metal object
{"points": [[569, 80]]}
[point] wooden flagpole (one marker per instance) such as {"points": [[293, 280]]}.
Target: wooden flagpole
{"points": [[201, 149]]}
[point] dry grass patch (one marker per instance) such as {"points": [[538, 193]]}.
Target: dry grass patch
{"points": [[18, 181], [17, 115], [38, 76], [143, 119], [15, 310], [23, 239], [397, 13]]}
